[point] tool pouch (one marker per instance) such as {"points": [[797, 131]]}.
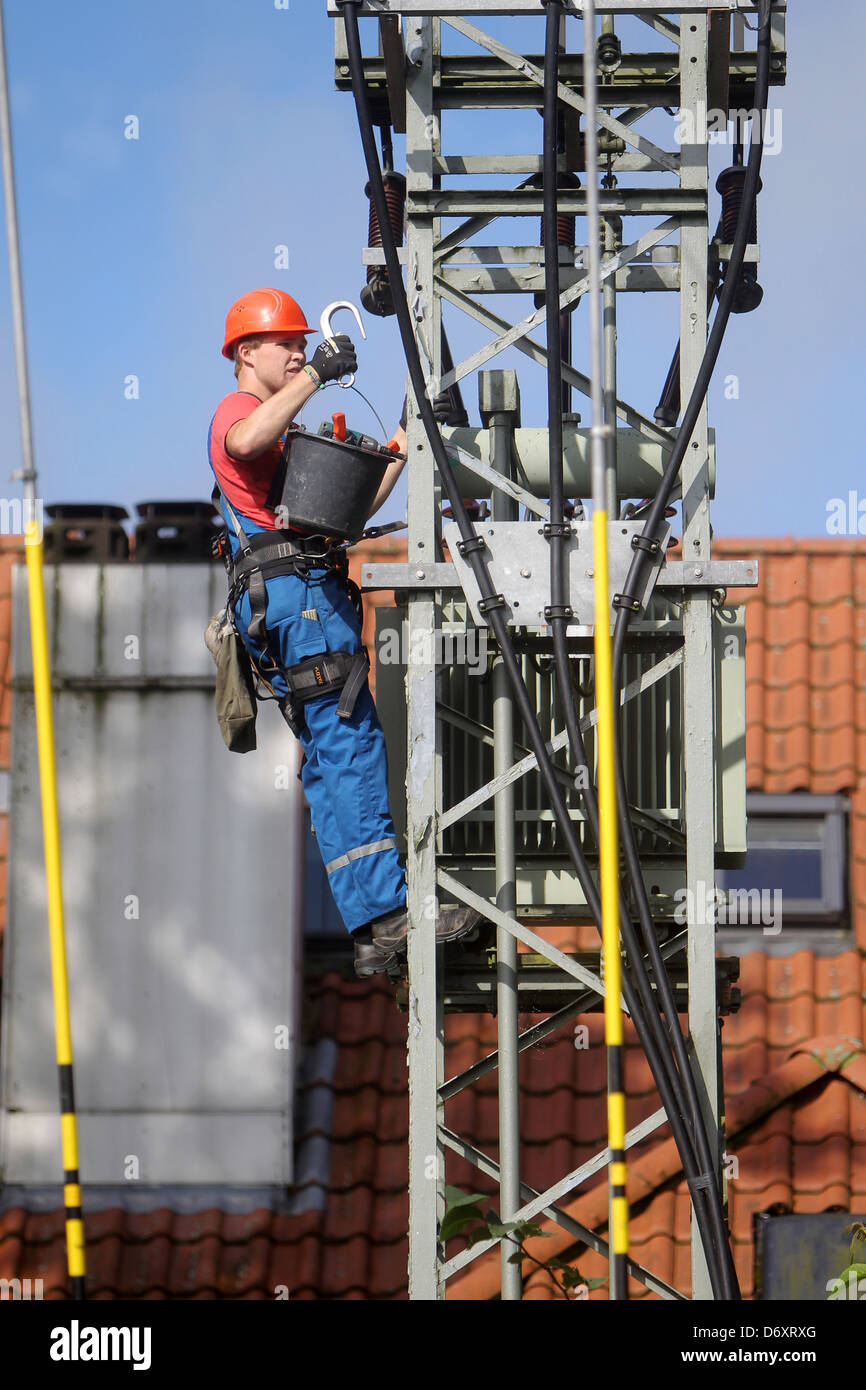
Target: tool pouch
{"points": [[235, 696]]}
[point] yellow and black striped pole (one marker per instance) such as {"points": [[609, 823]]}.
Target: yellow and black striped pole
{"points": [[44, 721], [603, 457], [56, 928]]}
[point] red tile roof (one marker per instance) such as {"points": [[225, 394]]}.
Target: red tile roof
{"points": [[806, 677], [794, 1058]]}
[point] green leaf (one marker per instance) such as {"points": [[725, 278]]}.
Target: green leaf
{"points": [[456, 1197], [594, 1283], [516, 1259], [526, 1229], [453, 1222], [502, 1228], [480, 1233], [572, 1277]]}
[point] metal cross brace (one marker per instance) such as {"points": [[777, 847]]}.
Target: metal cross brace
{"points": [[539, 1031], [584, 1234], [663, 26], [563, 776], [532, 349], [565, 94], [559, 1189], [534, 320], [530, 762], [498, 480], [529, 938]]}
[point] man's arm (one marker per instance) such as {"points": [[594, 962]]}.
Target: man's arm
{"points": [[392, 472], [263, 426]]}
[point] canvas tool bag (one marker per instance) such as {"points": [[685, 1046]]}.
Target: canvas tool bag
{"points": [[235, 695]]}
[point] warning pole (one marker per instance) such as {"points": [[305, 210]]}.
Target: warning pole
{"points": [[44, 720]]}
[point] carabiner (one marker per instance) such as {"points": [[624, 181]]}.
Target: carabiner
{"points": [[325, 326]]}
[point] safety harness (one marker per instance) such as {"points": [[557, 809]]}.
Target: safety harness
{"points": [[263, 556]]}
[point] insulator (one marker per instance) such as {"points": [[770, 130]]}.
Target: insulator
{"points": [[731, 184], [609, 52], [376, 295]]}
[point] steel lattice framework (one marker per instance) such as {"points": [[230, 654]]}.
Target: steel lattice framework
{"points": [[701, 63]]}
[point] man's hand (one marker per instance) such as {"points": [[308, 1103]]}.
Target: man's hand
{"points": [[331, 360], [444, 411]]}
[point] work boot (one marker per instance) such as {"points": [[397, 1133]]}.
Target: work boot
{"points": [[369, 959], [452, 924]]}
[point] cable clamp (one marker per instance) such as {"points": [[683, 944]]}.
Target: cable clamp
{"points": [[486, 605], [557, 528], [720, 597], [626, 601], [650, 544], [469, 547], [704, 1183], [558, 610]]}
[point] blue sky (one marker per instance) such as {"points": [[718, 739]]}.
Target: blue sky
{"points": [[133, 250]]}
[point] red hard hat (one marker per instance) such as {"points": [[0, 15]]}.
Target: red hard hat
{"points": [[263, 311]]}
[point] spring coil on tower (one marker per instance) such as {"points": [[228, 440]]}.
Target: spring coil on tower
{"points": [[566, 223], [376, 295]]}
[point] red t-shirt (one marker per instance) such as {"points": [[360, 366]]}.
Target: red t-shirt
{"points": [[245, 484]]}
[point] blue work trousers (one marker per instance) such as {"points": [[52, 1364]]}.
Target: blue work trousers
{"points": [[344, 773]]}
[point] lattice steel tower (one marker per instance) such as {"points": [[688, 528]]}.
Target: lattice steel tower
{"points": [[477, 830]]}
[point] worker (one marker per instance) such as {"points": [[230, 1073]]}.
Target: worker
{"points": [[304, 610]]}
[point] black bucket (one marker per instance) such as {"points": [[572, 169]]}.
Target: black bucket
{"points": [[329, 486]]}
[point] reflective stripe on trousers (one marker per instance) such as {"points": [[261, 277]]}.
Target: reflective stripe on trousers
{"points": [[360, 853]]}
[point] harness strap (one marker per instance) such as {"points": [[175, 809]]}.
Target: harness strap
{"points": [[326, 672], [261, 557], [258, 606], [354, 684]]}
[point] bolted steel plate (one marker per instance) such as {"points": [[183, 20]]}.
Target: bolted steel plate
{"points": [[517, 556]]}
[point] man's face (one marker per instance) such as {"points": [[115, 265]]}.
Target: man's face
{"points": [[278, 358]]}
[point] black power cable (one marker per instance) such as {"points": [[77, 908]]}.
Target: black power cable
{"points": [[651, 532], [696, 1155]]}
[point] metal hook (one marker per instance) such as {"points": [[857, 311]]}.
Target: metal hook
{"points": [[325, 326]]}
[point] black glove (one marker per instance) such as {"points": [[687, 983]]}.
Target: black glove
{"points": [[405, 414], [443, 411], [334, 358], [443, 408]]}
